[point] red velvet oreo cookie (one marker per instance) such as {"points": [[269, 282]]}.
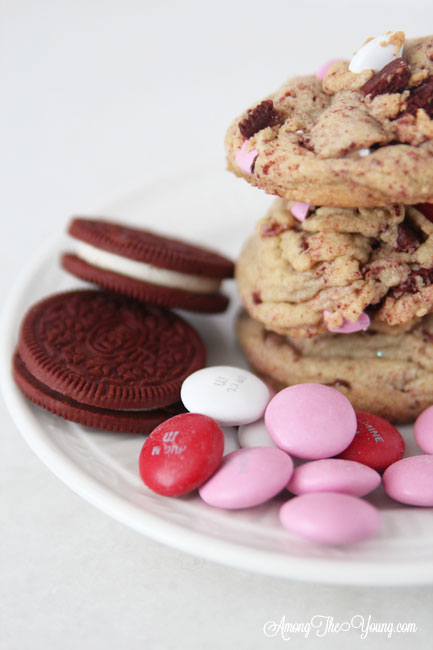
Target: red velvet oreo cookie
{"points": [[106, 351], [148, 267], [89, 416]]}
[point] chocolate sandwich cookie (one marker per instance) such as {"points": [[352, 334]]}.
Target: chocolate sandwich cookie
{"points": [[148, 267], [89, 416], [385, 370], [359, 135], [89, 355], [337, 268]]}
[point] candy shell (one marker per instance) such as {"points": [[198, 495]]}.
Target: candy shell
{"points": [[300, 210], [231, 442], [248, 477], [373, 55], [348, 326], [245, 159], [181, 453], [423, 430], [232, 396], [333, 475], [410, 480], [330, 518], [311, 421], [255, 434], [322, 71], [377, 443]]}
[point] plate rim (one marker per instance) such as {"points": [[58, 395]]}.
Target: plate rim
{"points": [[313, 569]]}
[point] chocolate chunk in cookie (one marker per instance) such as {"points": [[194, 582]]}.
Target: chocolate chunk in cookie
{"points": [[407, 239], [421, 97], [391, 79], [258, 118]]}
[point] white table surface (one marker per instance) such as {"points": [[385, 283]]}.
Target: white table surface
{"points": [[97, 99]]}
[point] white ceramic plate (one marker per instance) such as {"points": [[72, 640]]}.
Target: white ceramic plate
{"points": [[215, 209]]}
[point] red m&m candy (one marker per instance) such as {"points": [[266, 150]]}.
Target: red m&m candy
{"points": [[181, 453], [376, 443]]}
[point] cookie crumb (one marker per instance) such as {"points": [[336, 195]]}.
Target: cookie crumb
{"points": [[397, 39]]}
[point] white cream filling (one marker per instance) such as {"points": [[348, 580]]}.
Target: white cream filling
{"points": [[145, 272]]}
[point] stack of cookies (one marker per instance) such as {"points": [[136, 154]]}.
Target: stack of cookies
{"points": [[337, 281]]}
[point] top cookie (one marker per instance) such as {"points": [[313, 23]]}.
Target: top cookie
{"points": [[351, 139], [146, 266]]}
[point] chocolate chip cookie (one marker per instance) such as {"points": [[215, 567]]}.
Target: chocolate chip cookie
{"points": [[351, 139], [302, 278], [387, 371]]}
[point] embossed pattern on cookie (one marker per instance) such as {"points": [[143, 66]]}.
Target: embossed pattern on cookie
{"points": [[108, 351]]}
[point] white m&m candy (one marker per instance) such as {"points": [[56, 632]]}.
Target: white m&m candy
{"points": [[232, 396], [377, 52], [255, 434]]}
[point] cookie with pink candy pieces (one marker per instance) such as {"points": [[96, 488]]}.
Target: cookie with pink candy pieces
{"points": [[385, 371], [309, 269], [357, 133]]}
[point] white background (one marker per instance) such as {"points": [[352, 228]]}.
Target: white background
{"points": [[96, 99]]}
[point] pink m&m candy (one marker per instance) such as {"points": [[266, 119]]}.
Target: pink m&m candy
{"points": [[423, 430], [248, 477], [321, 73], [333, 475], [330, 518], [246, 159], [377, 443], [410, 480], [300, 210], [348, 326], [181, 453], [311, 421]]}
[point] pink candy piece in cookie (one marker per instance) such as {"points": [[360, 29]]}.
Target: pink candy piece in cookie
{"points": [[245, 159], [348, 327], [300, 210], [321, 73]]}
